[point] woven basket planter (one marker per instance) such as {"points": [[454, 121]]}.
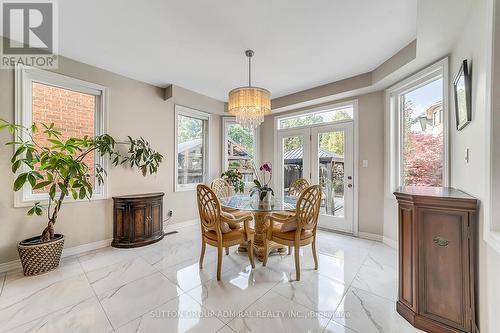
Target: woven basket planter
{"points": [[38, 258]]}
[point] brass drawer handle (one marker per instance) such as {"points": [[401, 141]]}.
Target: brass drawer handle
{"points": [[441, 241]]}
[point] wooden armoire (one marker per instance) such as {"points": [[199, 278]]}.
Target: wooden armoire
{"points": [[436, 230]]}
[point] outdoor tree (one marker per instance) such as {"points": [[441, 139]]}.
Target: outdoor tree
{"points": [[331, 142], [189, 129], [242, 136], [422, 153]]}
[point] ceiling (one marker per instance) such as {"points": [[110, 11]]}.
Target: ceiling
{"points": [[200, 45]]}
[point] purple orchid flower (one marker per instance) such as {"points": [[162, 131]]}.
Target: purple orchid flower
{"points": [[266, 167]]}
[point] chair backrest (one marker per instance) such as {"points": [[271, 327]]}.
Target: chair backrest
{"points": [[297, 186], [208, 208], [221, 188], [308, 206]]}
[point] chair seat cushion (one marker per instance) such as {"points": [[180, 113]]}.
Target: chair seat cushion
{"points": [[291, 225], [284, 214], [229, 236], [288, 226], [289, 235], [231, 216], [224, 227]]}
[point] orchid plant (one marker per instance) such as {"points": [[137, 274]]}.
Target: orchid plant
{"points": [[262, 183]]}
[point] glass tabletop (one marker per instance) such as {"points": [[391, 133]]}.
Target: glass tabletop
{"points": [[247, 203]]}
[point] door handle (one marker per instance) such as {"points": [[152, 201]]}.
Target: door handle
{"points": [[349, 185], [349, 177], [440, 241]]}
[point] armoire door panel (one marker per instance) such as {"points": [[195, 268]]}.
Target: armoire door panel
{"points": [[406, 257], [442, 275]]}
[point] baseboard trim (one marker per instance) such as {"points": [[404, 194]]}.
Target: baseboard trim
{"points": [[370, 236], [391, 242], [86, 247], [75, 250], [180, 225], [10, 265]]}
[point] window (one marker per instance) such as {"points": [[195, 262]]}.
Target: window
{"points": [[191, 147], [319, 117], [75, 107], [240, 147], [418, 123]]}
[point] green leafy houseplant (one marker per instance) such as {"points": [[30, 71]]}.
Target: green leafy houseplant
{"points": [[236, 179], [58, 165]]}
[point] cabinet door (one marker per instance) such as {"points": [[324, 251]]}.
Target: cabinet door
{"points": [[156, 218], [443, 267], [407, 283], [139, 216], [120, 224]]}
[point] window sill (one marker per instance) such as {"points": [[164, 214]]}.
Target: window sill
{"points": [[43, 201], [186, 188]]}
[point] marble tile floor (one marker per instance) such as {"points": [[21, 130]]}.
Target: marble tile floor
{"points": [[159, 288]]}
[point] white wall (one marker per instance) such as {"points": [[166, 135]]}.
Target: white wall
{"points": [[135, 109], [472, 177]]}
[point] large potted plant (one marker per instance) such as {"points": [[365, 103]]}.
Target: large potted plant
{"points": [[46, 162]]}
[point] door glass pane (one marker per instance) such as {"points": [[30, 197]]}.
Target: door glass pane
{"points": [[331, 149], [293, 160], [423, 146]]}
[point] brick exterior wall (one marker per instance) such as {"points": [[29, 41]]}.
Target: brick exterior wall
{"points": [[71, 112]]}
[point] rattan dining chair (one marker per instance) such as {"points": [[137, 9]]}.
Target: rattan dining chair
{"points": [[297, 186], [304, 221], [211, 227], [295, 189], [222, 188]]}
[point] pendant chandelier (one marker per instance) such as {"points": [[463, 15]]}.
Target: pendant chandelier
{"points": [[249, 104]]}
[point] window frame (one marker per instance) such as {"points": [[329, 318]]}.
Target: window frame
{"points": [[226, 122], [313, 111], [180, 110], [394, 139], [24, 76]]}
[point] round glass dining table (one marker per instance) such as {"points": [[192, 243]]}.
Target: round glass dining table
{"points": [[260, 210]]}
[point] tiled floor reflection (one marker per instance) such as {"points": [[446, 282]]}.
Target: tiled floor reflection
{"points": [[159, 288]]}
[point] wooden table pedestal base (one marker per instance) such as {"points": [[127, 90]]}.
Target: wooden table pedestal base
{"points": [[261, 227]]}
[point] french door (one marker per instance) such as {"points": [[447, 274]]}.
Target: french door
{"points": [[323, 155]]}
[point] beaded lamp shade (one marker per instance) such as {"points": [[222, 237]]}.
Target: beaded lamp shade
{"points": [[249, 104]]}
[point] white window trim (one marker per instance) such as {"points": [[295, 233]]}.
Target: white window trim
{"points": [[355, 120], [393, 121], [315, 110], [491, 229], [181, 110], [24, 76], [226, 121]]}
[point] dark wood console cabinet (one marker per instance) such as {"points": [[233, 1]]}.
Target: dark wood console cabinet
{"points": [[436, 258], [137, 219]]}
